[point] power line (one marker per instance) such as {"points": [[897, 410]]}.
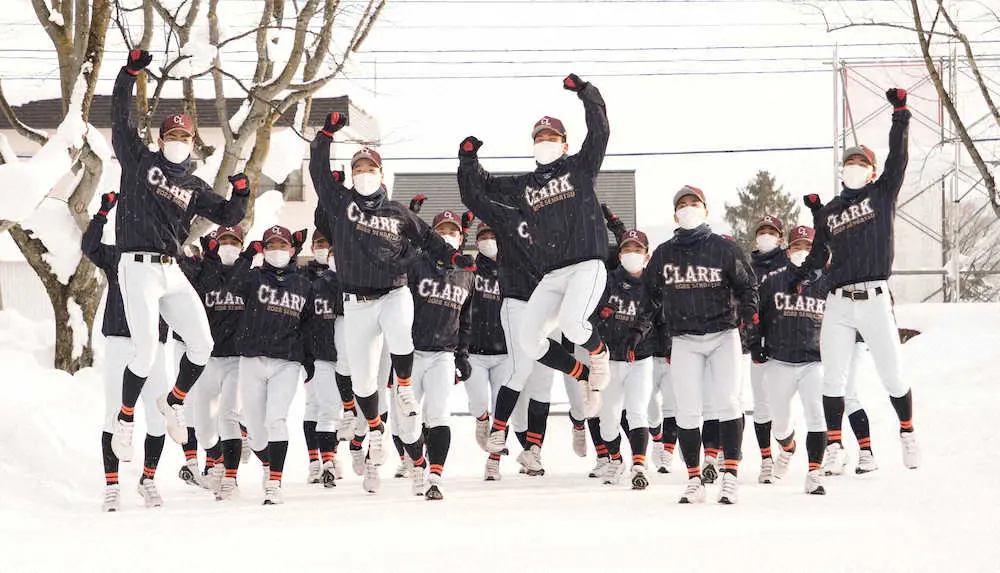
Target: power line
{"points": [[628, 154]]}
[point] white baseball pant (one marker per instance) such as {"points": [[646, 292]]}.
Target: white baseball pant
{"points": [[340, 343], [873, 318], [564, 300], [489, 372], [630, 387], [267, 387], [433, 379], [215, 401], [533, 380], [391, 317], [851, 401], [323, 404], [152, 290], [759, 384], [784, 380], [117, 351], [574, 392], [696, 390], [662, 403]]}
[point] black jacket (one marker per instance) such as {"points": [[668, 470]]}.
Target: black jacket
{"points": [[158, 199], [703, 283], [278, 308], [517, 253], [660, 337], [319, 339], [441, 306], [370, 234], [223, 305], [790, 323], [106, 257], [486, 336], [559, 200], [856, 227], [632, 314], [766, 263], [314, 270]]}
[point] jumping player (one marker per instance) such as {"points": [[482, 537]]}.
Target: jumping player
{"points": [[702, 281], [564, 218], [159, 198], [787, 340], [855, 233], [371, 234]]}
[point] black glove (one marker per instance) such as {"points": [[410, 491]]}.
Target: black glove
{"points": [[338, 176], [573, 83], [299, 239], [631, 344], [108, 201], [615, 225], [334, 123], [417, 202], [241, 185], [253, 249], [138, 60], [606, 311], [210, 246], [798, 282], [812, 201], [758, 354], [467, 218], [469, 147], [897, 97], [464, 262], [310, 368], [463, 366]]}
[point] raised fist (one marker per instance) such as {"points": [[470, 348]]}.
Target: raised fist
{"points": [[573, 83], [299, 239], [897, 97], [467, 218], [464, 262], [469, 147], [334, 123], [417, 202], [108, 201], [812, 201], [338, 176], [137, 60], [240, 183], [209, 245], [255, 248]]}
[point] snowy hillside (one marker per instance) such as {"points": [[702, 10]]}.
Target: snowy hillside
{"points": [[941, 517]]}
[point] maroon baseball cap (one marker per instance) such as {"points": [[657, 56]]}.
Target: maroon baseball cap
{"points": [[636, 236], [550, 123], [176, 121], [235, 232], [319, 236], [447, 217], [801, 232], [860, 151], [482, 228], [689, 190], [278, 232], [369, 154], [769, 221]]}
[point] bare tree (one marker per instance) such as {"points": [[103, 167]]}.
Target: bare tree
{"points": [[77, 31]]}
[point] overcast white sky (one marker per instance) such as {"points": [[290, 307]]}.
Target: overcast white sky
{"points": [[434, 71]]}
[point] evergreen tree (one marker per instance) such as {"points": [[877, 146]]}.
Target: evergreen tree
{"points": [[761, 196]]}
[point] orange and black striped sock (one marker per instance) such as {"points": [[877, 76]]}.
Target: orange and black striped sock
{"points": [[788, 443], [314, 455], [231, 473], [131, 388], [326, 442], [669, 447], [602, 450], [152, 450], [147, 473], [495, 457], [865, 444], [557, 358], [176, 396], [127, 414], [638, 460], [110, 461], [765, 453], [861, 428], [577, 424], [484, 417], [815, 448], [904, 411], [420, 462], [187, 374], [438, 444], [905, 426], [276, 452], [834, 437]]}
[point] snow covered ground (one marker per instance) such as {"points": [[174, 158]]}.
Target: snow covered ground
{"points": [[942, 517]]}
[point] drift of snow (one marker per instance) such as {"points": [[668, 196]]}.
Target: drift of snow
{"points": [[78, 326], [266, 211], [54, 225], [285, 155]]}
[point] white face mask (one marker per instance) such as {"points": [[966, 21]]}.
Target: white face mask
{"points": [[228, 254], [633, 262], [176, 151], [366, 184], [767, 243], [277, 258], [691, 217], [488, 247], [454, 241], [798, 257], [321, 255], [548, 151], [855, 176]]}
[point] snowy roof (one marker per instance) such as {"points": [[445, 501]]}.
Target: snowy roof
{"points": [[48, 113]]}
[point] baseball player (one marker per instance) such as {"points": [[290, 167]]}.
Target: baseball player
{"points": [[118, 347], [662, 403], [491, 365], [768, 257], [371, 234], [159, 198], [323, 402], [518, 275], [278, 301], [442, 323], [855, 233], [702, 282], [787, 340], [314, 269], [625, 321], [559, 203]]}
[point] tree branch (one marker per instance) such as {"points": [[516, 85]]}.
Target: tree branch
{"points": [[220, 93], [972, 63], [23, 130], [887, 25], [295, 58]]}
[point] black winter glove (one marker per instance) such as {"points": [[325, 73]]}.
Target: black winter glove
{"points": [[334, 123], [812, 201], [573, 83], [210, 246], [634, 338], [299, 239], [897, 97], [108, 201], [463, 366], [417, 203], [615, 225], [464, 262], [253, 249], [469, 147], [241, 184], [137, 60], [758, 354], [310, 368], [338, 176]]}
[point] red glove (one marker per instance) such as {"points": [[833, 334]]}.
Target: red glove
{"points": [[417, 202], [897, 97], [812, 201], [573, 83], [467, 218], [469, 147], [607, 312], [108, 201], [137, 60], [255, 248], [241, 184], [334, 123]]}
